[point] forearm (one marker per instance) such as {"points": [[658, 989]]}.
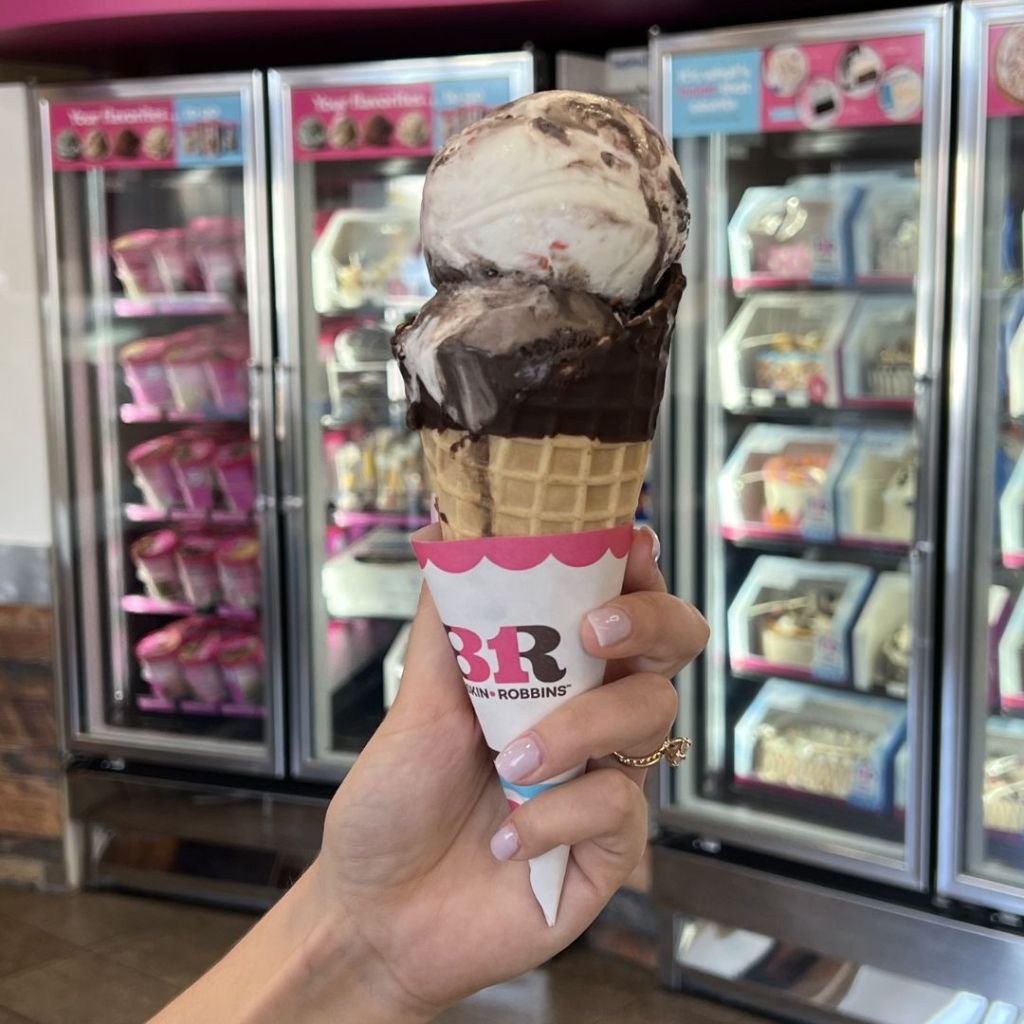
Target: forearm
{"points": [[303, 963]]}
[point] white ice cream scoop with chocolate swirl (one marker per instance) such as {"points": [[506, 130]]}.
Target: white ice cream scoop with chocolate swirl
{"points": [[587, 197]]}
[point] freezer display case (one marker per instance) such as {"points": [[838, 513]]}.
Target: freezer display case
{"points": [[804, 420], [351, 146], [981, 848], [160, 336]]}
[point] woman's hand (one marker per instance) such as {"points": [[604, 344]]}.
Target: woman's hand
{"points": [[407, 854], [421, 892]]}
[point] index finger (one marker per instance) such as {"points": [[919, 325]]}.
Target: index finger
{"points": [[642, 572]]}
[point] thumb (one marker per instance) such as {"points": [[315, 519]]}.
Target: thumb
{"points": [[430, 677]]}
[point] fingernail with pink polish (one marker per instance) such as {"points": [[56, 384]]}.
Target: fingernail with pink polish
{"points": [[505, 843], [611, 625], [519, 759]]}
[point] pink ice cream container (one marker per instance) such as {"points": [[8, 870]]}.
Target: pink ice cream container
{"points": [[153, 468], [135, 263], [193, 468], [197, 567], [171, 254], [212, 243], [156, 566], [227, 371], [236, 475], [158, 659], [198, 659], [142, 362], [241, 665], [186, 373], [192, 627], [238, 566]]}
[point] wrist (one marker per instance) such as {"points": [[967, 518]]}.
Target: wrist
{"points": [[332, 973]]}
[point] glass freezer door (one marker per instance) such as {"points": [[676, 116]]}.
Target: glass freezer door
{"points": [[982, 797], [805, 423], [159, 330], [351, 147]]}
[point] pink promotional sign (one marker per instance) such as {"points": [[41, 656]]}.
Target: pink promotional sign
{"points": [[1005, 70], [112, 134], [853, 83], [362, 122]]}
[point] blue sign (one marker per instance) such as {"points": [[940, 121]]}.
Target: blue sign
{"points": [[460, 102], [716, 93], [209, 131]]}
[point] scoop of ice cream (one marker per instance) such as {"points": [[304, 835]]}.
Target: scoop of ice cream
{"points": [[577, 190], [521, 358]]}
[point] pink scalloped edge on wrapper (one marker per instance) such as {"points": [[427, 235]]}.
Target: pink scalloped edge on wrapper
{"points": [[518, 553]]}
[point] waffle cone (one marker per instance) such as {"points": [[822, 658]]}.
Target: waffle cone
{"points": [[520, 486]]}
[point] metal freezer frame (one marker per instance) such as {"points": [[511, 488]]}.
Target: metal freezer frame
{"points": [[714, 824], [519, 67], [83, 674], [960, 663]]}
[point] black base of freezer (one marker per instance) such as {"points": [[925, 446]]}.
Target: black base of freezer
{"points": [[195, 836], [810, 952]]}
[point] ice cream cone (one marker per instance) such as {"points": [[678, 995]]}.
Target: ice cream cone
{"points": [[534, 378], [523, 487]]}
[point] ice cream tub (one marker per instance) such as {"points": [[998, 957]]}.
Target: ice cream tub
{"points": [[513, 607], [171, 255], [186, 374], [193, 469], [241, 665], [197, 565], [227, 373], [201, 669], [135, 263], [144, 373], [236, 476], [152, 464], [158, 660], [212, 243], [238, 568], [156, 566]]}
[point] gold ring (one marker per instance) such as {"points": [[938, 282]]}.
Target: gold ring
{"points": [[674, 750]]}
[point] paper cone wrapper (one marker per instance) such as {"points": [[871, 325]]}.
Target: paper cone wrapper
{"points": [[513, 607]]}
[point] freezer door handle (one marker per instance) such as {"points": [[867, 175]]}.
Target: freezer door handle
{"points": [[282, 377]]}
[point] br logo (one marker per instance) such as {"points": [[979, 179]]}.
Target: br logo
{"points": [[504, 662]]}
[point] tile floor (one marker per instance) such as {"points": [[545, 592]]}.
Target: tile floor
{"points": [[100, 958]]}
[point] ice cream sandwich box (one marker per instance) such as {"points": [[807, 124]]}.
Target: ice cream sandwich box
{"points": [[795, 618], [784, 347], [1015, 372], [1010, 320], [376, 577], [878, 354], [882, 638], [1011, 517], [877, 490], [900, 780], [1000, 608], [360, 257], [798, 233], [1003, 798], [781, 481], [885, 231], [832, 746], [1011, 662]]}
